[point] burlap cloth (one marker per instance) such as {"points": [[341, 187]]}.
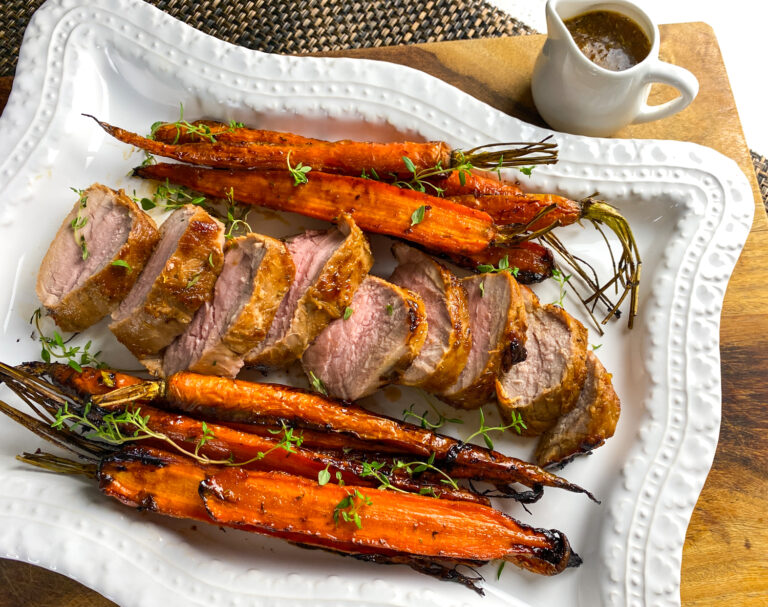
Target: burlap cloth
{"points": [[308, 26]]}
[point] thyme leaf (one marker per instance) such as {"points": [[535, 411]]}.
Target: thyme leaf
{"points": [[418, 215], [299, 172], [56, 347], [122, 264], [317, 384], [561, 280], [516, 422], [348, 509]]}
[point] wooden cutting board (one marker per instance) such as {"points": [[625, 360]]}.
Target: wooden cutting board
{"points": [[725, 561]]}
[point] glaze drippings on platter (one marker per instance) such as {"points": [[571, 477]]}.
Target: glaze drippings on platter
{"points": [[609, 39]]}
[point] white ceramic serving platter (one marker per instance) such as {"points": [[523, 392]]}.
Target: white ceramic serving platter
{"points": [[131, 64]]}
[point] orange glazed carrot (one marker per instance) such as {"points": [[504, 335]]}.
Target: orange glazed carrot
{"points": [[301, 511], [203, 130], [402, 523], [338, 156], [432, 222]]}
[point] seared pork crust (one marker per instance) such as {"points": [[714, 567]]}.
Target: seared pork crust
{"points": [[449, 340], [592, 420], [547, 384], [325, 300], [79, 292], [498, 325], [170, 290], [373, 346]]}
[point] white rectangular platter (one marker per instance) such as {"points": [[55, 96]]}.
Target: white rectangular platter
{"points": [[130, 64]]}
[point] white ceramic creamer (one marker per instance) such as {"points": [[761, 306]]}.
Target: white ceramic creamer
{"points": [[575, 95]]}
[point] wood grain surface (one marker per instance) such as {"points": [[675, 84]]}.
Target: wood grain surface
{"points": [[725, 561]]}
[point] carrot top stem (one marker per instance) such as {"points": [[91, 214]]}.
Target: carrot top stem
{"points": [[524, 153]]}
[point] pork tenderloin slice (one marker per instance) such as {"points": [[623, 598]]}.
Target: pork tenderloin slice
{"points": [[176, 281], [256, 275], [92, 263], [374, 345], [330, 266], [449, 340], [586, 427], [547, 383], [497, 320]]}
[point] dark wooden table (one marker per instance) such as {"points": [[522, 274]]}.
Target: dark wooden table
{"points": [[725, 559]]}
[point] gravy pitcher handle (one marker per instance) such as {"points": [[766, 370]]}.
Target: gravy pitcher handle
{"points": [[677, 77]]}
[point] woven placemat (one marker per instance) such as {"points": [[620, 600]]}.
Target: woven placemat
{"points": [[305, 26]]}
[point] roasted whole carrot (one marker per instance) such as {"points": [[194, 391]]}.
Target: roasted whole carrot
{"points": [[238, 401], [345, 157], [333, 157], [432, 222], [404, 523], [301, 511]]}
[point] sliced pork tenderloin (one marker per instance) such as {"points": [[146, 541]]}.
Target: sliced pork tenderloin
{"points": [[371, 345], [547, 384], [176, 281], [330, 265], [449, 340], [95, 258], [256, 275], [592, 420], [498, 323]]}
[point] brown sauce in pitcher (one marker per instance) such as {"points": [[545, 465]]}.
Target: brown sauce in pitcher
{"points": [[609, 39]]}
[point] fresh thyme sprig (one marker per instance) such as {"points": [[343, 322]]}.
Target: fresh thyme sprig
{"points": [[374, 469], [517, 423], [504, 266], [348, 509], [424, 421], [168, 198], [129, 425], [561, 279], [417, 181], [203, 130], [237, 216], [299, 172], [57, 347]]}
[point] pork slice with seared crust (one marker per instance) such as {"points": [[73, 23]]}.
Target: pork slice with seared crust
{"points": [[176, 281], [257, 273], [95, 258], [547, 383], [497, 320], [330, 266], [449, 340], [592, 420], [371, 345]]}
